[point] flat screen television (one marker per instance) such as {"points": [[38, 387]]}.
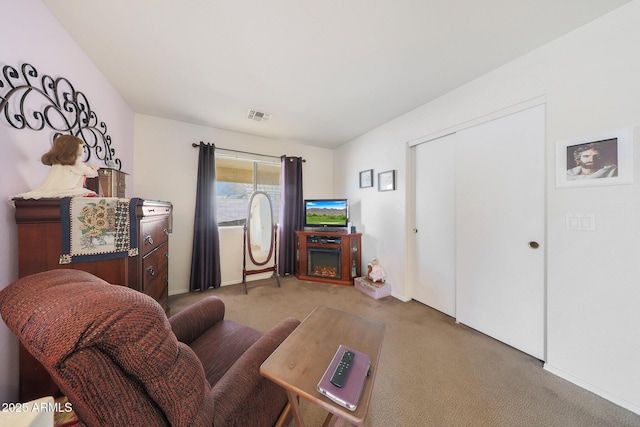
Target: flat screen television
{"points": [[326, 213]]}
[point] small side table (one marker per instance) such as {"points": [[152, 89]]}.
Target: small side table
{"points": [[300, 361]]}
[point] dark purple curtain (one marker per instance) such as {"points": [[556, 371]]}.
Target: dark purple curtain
{"points": [[291, 212], [205, 258]]}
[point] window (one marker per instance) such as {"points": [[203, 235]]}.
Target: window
{"points": [[236, 180]]}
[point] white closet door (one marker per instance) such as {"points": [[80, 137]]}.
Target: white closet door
{"points": [[435, 224], [499, 220]]}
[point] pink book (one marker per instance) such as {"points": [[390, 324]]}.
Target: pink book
{"points": [[349, 394]]}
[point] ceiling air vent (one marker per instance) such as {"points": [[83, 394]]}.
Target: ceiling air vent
{"points": [[258, 116]]}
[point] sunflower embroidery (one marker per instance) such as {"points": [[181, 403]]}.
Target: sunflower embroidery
{"points": [[96, 223]]}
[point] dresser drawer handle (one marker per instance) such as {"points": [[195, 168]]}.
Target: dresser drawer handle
{"points": [[150, 271], [166, 255], [165, 231], [148, 240]]}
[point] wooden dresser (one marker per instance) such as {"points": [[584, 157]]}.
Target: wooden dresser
{"points": [[39, 249]]}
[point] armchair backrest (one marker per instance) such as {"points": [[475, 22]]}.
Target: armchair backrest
{"points": [[109, 348]]}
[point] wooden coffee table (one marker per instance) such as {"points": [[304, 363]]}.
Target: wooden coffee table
{"points": [[300, 361]]}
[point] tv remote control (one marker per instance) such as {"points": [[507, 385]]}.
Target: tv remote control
{"points": [[342, 370]]}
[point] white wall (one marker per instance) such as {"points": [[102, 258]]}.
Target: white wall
{"points": [[380, 216], [166, 167], [591, 82], [32, 35]]}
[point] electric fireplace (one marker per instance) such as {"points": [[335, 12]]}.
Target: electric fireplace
{"points": [[323, 262], [330, 257]]}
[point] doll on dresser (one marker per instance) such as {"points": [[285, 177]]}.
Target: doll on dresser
{"points": [[68, 172]]}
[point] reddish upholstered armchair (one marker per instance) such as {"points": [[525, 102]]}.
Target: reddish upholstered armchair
{"points": [[121, 362]]}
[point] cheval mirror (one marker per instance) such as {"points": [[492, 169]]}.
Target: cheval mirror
{"points": [[259, 238]]}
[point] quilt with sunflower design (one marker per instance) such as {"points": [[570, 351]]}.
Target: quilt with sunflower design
{"points": [[98, 228]]}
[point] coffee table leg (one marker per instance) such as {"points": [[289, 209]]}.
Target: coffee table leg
{"points": [[293, 401], [341, 422]]}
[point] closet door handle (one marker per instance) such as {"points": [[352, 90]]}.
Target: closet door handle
{"points": [[534, 245]]}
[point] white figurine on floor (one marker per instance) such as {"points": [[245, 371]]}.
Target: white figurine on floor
{"points": [[376, 273]]}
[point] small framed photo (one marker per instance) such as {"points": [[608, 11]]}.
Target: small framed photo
{"points": [[366, 178], [605, 159], [387, 181]]}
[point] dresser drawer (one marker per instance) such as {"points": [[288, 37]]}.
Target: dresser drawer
{"points": [[154, 264], [158, 289], [153, 232]]}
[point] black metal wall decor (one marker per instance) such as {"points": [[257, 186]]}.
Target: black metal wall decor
{"points": [[54, 105]]}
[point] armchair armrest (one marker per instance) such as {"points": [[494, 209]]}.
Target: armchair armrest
{"points": [[241, 381], [194, 320]]}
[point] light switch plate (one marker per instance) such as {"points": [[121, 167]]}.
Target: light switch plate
{"points": [[580, 221]]}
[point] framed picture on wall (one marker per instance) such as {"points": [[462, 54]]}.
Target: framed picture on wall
{"points": [[387, 181], [605, 159], [366, 178]]}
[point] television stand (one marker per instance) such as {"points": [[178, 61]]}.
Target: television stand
{"points": [[328, 256]]}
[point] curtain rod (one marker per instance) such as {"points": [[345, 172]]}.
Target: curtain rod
{"points": [[194, 145]]}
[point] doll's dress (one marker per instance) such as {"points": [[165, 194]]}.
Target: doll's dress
{"points": [[63, 181]]}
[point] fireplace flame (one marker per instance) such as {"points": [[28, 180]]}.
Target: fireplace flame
{"points": [[325, 271]]}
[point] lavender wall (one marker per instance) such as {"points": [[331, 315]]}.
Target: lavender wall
{"points": [[32, 35]]}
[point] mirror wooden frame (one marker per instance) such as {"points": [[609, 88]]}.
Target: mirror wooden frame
{"points": [[273, 244]]}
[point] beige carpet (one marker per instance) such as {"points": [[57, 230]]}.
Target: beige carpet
{"points": [[432, 372]]}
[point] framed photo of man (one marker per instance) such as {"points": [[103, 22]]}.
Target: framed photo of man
{"points": [[605, 159]]}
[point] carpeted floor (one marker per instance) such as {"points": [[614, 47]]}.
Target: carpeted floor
{"points": [[432, 371]]}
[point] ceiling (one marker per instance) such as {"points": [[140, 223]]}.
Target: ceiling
{"points": [[326, 70]]}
